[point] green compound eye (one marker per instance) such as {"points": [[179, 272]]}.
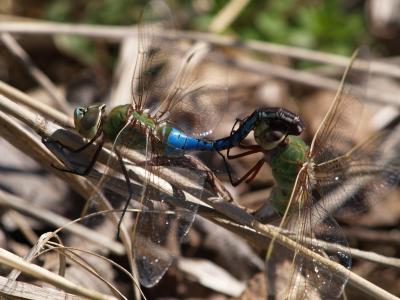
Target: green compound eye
{"points": [[273, 139], [87, 119], [79, 113], [267, 137]]}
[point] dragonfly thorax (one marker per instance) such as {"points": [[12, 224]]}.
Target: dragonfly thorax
{"points": [[123, 116], [287, 160], [143, 120]]}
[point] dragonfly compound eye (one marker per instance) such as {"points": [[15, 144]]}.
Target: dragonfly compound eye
{"points": [[269, 137], [273, 139], [87, 120]]}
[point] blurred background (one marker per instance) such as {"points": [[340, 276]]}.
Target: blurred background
{"points": [[89, 69], [332, 26]]}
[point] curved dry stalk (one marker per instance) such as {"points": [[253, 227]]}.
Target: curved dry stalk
{"points": [[46, 216], [82, 262], [33, 253], [13, 261], [12, 289]]}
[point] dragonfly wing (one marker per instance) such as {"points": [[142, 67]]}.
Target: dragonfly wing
{"points": [[154, 70], [199, 110], [337, 128], [195, 101], [169, 80], [360, 178], [167, 209], [311, 228]]}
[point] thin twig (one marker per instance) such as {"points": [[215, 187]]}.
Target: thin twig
{"points": [[227, 15], [310, 79], [374, 236], [13, 261], [263, 68], [41, 78], [23, 225], [39, 106], [22, 290], [116, 33], [121, 92], [39, 213]]}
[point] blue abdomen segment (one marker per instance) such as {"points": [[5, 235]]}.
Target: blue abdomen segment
{"points": [[179, 140], [235, 138]]}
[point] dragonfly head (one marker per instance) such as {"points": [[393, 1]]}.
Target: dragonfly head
{"points": [[270, 132], [88, 119], [268, 137]]}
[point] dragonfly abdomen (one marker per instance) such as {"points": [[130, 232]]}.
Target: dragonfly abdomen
{"points": [[177, 139]]}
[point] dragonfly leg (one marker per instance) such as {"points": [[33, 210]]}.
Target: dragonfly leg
{"points": [[227, 168], [249, 176], [243, 146], [254, 149], [91, 141], [80, 149], [128, 186], [89, 166]]}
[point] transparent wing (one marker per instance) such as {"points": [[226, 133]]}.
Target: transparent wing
{"points": [[199, 110], [194, 102], [362, 176], [337, 128], [354, 176], [154, 69], [171, 79], [165, 205], [311, 228], [161, 226]]}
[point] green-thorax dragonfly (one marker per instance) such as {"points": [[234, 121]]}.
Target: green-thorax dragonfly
{"points": [[313, 181], [170, 100]]}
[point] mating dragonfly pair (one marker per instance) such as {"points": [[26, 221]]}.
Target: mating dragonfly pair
{"points": [[305, 176], [170, 116]]}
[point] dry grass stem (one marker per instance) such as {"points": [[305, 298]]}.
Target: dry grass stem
{"points": [[13, 261], [117, 33], [41, 78]]}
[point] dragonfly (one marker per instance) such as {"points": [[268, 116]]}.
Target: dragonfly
{"points": [[312, 181], [171, 112]]}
